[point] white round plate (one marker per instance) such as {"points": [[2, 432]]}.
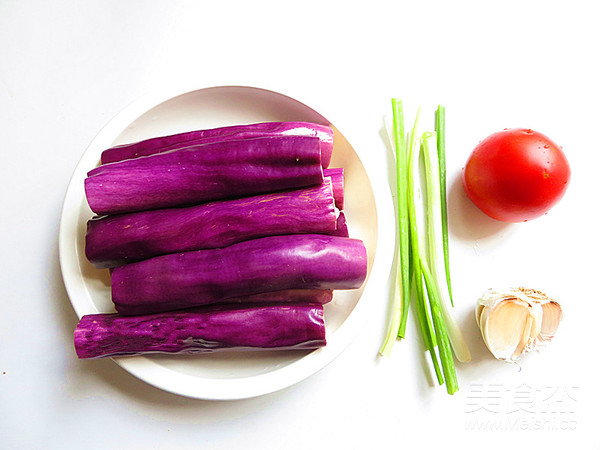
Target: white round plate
{"points": [[228, 375]]}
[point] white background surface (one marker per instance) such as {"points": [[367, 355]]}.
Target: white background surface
{"points": [[67, 67]]}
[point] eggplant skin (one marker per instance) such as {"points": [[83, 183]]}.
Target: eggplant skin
{"points": [[320, 296], [286, 296], [267, 264], [202, 330], [124, 238], [204, 173], [341, 226], [337, 183], [236, 132]]}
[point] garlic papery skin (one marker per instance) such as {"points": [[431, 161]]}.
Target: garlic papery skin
{"points": [[514, 321]]}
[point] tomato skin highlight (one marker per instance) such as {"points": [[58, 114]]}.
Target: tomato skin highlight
{"points": [[516, 175]]}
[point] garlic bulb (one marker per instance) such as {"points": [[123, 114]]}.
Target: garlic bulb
{"points": [[514, 321]]}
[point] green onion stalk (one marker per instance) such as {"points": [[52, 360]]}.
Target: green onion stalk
{"points": [[401, 295], [435, 251], [427, 329], [440, 130]]}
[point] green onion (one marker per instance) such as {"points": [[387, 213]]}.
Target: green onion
{"points": [[440, 329], [434, 244], [427, 329], [419, 254], [401, 199], [440, 129], [392, 332], [401, 295]]}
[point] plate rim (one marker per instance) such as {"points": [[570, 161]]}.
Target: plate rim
{"points": [[230, 388]]}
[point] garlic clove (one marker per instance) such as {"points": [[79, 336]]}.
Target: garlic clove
{"points": [[505, 326], [552, 315], [514, 321]]}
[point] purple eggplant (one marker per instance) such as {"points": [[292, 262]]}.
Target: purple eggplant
{"points": [[202, 330], [341, 226], [115, 240], [337, 181], [205, 173], [176, 141], [302, 261], [297, 296], [320, 296]]}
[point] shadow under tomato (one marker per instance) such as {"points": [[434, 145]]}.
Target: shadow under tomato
{"points": [[465, 220]]}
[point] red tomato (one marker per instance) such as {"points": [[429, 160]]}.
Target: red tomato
{"points": [[516, 175]]}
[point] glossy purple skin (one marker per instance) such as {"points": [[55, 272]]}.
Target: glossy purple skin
{"points": [[337, 180], [299, 296], [302, 261], [205, 173], [115, 240], [202, 330], [176, 141], [341, 226]]}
